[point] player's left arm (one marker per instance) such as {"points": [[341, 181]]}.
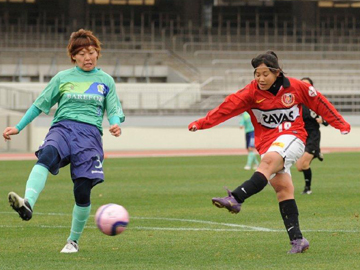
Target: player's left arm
{"points": [[115, 129], [322, 106], [114, 111]]}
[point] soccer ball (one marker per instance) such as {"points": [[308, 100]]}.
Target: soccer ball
{"points": [[111, 219]]}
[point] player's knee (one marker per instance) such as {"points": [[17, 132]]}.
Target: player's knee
{"points": [[48, 156], [272, 162], [283, 191]]}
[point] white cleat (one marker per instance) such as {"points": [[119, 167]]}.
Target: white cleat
{"points": [[70, 247], [247, 167]]}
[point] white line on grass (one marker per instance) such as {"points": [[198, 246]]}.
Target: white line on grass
{"points": [[251, 228], [175, 229], [235, 227], [135, 228], [209, 222]]}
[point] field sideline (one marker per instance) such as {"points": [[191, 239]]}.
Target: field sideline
{"points": [[173, 224], [171, 153]]}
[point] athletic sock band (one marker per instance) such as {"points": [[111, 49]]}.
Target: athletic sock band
{"points": [[290, 215], [79, 218], [35, 183], [255, 184]]}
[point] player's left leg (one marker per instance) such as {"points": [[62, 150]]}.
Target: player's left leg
{"points": [[86, 160], [80, 214], [284, 189]]}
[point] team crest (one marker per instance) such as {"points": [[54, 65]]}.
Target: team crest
{"points": [[312, 91], [100, 88], [288, 99]]}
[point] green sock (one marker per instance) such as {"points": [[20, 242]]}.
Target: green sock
{"points": [[255, 161], [79, 219], [250, 158], [35, 184]]}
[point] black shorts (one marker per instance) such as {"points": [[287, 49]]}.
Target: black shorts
{"points": [[313, 142]]}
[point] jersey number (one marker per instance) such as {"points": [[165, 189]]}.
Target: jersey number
{"points": [[284, 126]]}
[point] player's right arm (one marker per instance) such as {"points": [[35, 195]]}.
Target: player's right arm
{"points": [[48, 97], [29, 116], [8, 132], [233, 105]]}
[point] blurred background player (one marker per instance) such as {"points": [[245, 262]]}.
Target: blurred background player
{"points": [[312, 123], [274, 104], [245, 123], [83, 94]]}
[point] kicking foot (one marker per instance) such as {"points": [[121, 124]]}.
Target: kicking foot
{"points": [[20, 205], [228, 202]]}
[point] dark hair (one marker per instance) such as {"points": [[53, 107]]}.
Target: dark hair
{"points": [[80, 40], [269, 58], [308, 79]]}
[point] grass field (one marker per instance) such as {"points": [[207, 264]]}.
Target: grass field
{"points": [[173, 223]]}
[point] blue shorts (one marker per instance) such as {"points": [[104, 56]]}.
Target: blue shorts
{"points": [[79, 145], [250, 139]]}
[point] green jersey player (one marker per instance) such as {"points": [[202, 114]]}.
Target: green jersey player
{"points": [[83, 94]]}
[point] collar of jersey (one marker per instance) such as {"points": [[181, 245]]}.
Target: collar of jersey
{"points": [[87, 72], [286, 82]]}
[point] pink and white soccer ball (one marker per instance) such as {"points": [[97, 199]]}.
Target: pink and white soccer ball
{"points": [[112, 219]]}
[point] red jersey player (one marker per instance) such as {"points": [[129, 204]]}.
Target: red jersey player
{"points": [[274, 104]]}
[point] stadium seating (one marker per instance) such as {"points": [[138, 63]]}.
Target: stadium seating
{"points": [[169, 49]]}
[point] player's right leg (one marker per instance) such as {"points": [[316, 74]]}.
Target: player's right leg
{"points": [[270, 163], [34, 185], [20, 205], [48, 157], [229, 202]]}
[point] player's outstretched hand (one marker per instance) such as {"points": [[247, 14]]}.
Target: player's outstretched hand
{"points": [[346, 130], [8, 132], [193, 126], [115, 130]]}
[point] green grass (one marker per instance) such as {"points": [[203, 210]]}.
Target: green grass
{"points": [[173, 224]]}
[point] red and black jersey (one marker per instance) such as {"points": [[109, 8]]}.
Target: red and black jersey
{"points": [[275, 115]]}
